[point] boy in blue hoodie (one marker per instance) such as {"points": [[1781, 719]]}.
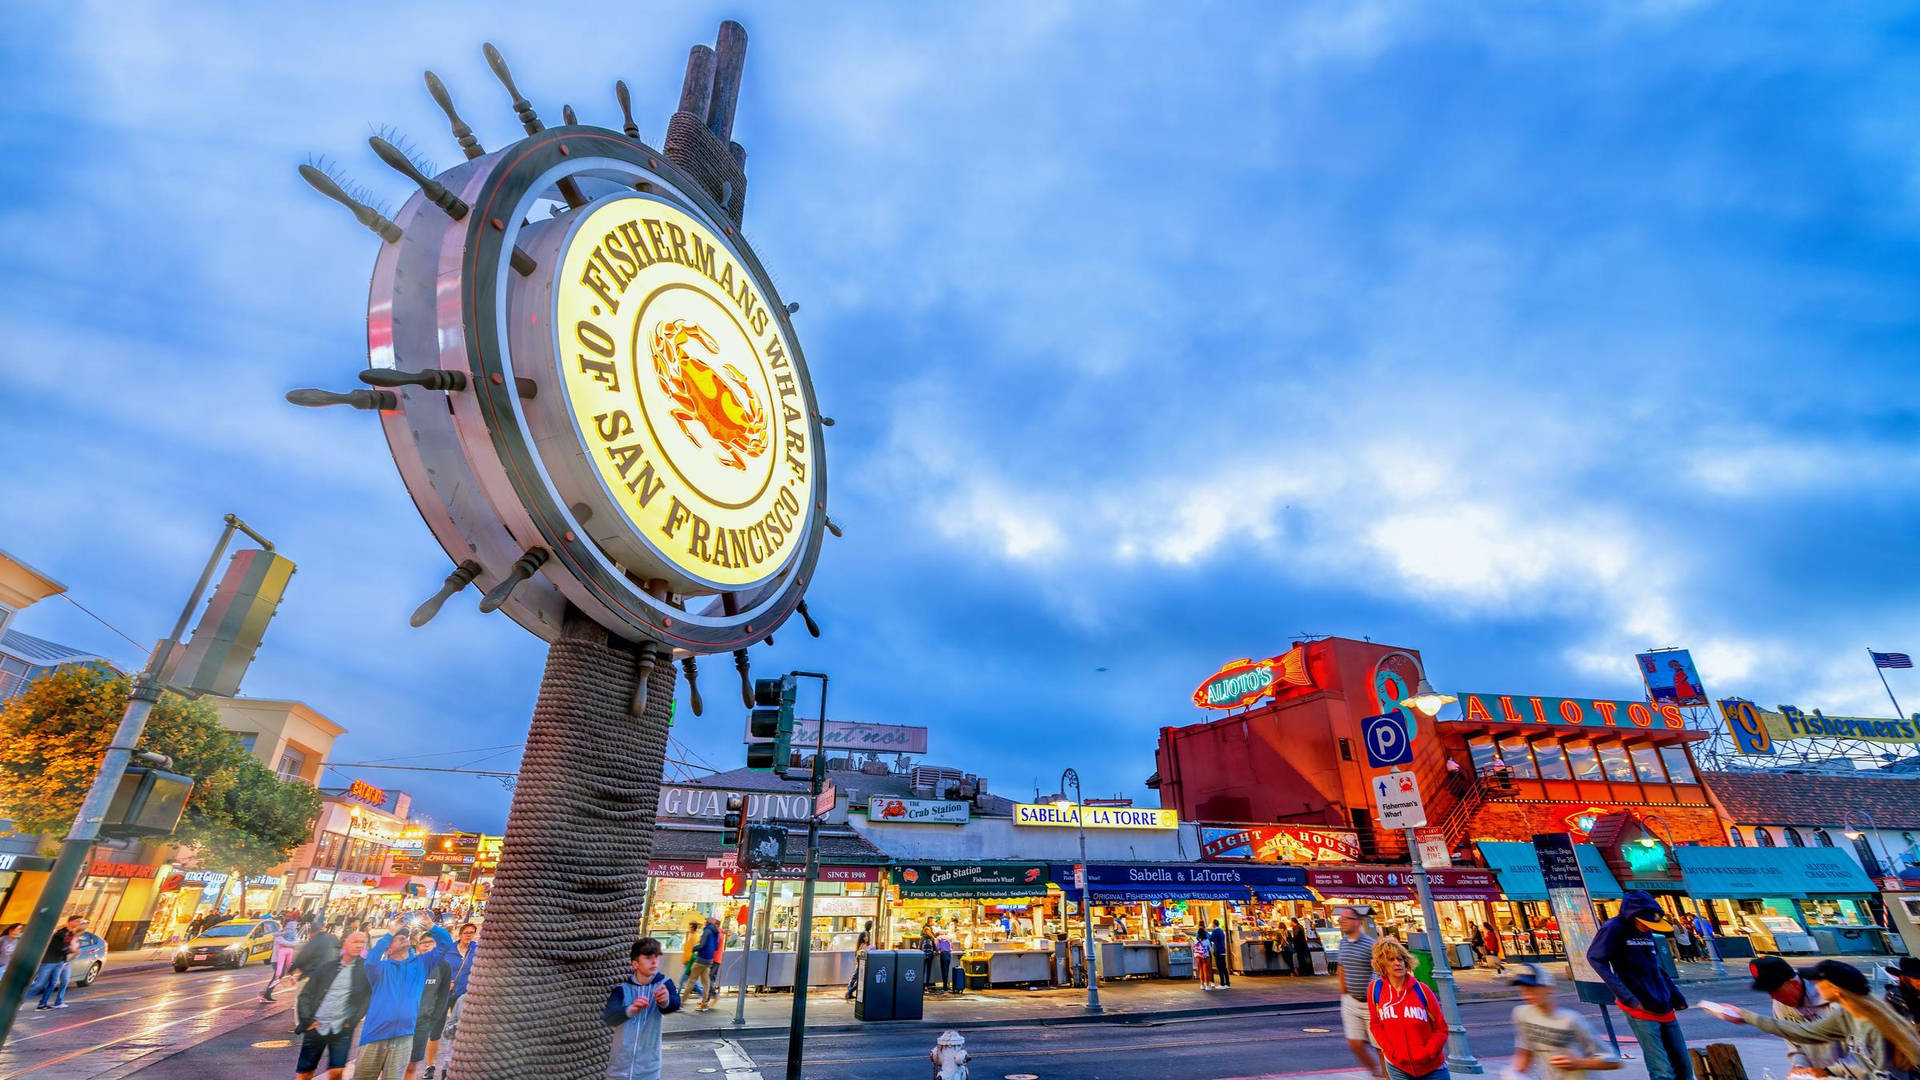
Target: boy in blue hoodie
{"points": [[1624, 954], [635, 1007], [398, 975]]}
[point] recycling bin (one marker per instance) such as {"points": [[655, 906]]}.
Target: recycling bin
{"points": [[909, 989], [873, 993]]}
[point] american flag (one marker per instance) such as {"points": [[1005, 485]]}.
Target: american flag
{"points": [[1891, 660]]}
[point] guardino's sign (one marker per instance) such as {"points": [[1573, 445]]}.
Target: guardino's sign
{"points": [[1244, 682]]}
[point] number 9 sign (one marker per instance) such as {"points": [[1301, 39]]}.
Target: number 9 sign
{"points": [[1749, 731]]}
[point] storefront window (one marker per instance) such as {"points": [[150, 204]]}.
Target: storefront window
{"points": [[1514, 753], [1484, 755], [1793, 838], [1586, 763], [1552, 760], [1613, 757], [1646, 761], [1763, 837], [1678, 767]]}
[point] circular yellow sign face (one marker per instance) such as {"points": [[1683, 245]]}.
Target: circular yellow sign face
{"points": [[681, 385]]}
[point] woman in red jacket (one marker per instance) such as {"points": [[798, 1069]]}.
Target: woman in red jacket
{"points": [[1403, 1016]]}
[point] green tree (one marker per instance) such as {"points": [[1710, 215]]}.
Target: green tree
{"points": [[240, 818]]}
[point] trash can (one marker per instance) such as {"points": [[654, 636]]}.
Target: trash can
{"points": [[979, 976], [908, 985], [873, 992]]}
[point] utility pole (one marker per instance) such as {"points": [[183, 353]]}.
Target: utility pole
{"points": [[1459, 1055], [797, 1027], [93, 809]]}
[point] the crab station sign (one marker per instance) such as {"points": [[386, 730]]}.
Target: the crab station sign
{"points": [[681, 389]]}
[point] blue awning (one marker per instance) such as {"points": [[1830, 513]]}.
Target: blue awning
{"points": [[1739, 873], [1137, 883], [1519, 870]]}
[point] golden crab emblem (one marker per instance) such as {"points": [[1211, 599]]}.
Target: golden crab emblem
{"points": [[715, 399]]}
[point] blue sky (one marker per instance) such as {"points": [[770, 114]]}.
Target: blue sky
{"points": [[1525, 335]]}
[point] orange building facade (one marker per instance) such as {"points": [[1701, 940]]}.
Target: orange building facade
{"points": [[1494, 767]]}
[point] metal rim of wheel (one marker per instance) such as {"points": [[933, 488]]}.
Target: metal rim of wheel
{"points": [[490, 470]]}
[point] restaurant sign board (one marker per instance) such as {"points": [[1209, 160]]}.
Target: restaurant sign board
{"points": [[1567, 712], [1243, 682], [1278, 844], [1096, 817], [1755, 730], [892, 811], [846, 735], [971, 879]]}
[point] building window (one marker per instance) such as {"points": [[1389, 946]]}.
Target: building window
{"points": [[1863, 848], [1485, 754], [246, 739], [1763, 837], [1613, 757], [1793, 837], [293, 765], [1646, 761], [1822, 838], [1738, 840], [13, 677], [1679, 767], [1514, 752], [1586, 763], [1552, 760]]}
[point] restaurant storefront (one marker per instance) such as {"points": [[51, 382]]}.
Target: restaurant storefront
{"points": [[1146, 916], [1525, 923], [1785, 900], [1001, 914], [1463, 898]]}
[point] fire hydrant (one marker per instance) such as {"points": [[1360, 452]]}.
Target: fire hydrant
{"points": [[950, 1057]]}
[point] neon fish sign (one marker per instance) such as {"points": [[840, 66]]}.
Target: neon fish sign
{"points": [[1244, 682]]}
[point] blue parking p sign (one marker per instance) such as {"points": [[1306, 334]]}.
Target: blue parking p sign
{"points": [[1386, 739]]}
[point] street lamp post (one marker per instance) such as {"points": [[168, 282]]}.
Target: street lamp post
{"points": [[1713, 947], [1086, 886], [1886, 864], [1427, 701], [353, 818]]}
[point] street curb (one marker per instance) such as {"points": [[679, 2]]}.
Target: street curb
{"points": [[1140, 1018]]}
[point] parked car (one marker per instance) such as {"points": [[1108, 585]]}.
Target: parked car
{"points": [[229, 944], [91, 958]]}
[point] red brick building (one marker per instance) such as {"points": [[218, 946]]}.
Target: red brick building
{"points": [[1499, 766]]}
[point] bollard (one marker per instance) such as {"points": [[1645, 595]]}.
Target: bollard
{"points": [[950, 1057]]}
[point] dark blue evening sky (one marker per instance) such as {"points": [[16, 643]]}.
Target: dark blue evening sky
{"points": [[1525, 335]]}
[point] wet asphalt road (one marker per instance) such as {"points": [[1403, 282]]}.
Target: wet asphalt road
{"points": [[134, 1016]]}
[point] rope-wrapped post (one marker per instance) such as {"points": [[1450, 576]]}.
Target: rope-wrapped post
{"points": [[568, 892]]}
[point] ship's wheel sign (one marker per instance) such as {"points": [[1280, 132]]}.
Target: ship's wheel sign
{"points": [[589, 383]]}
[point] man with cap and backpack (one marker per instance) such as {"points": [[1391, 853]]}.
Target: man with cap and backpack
{"points": [[1797, 1000]]}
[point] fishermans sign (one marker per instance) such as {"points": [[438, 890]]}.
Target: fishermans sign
{"points": [[1755, 730], [683, 391]]}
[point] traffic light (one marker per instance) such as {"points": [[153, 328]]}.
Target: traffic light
{"points": [[734, 825], [733, 883], [770, 726]]}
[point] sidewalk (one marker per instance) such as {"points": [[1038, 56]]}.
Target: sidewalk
{"points": [[1122, 1001]]}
